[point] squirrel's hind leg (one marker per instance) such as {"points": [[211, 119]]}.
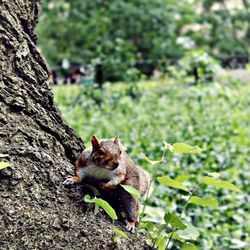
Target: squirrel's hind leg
{"points": [[131, 207]]}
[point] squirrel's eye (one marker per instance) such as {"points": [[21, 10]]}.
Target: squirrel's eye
{"points": [[101, 152]]}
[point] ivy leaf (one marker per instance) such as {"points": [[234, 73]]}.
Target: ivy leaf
{"points": [[172, 183], [3, 155], [188, 246], [120, 233], [174, 221], [220, 184], [107, 208], [4, 165], [148, 160], [132, 191], [204, 202], [185, 148]]}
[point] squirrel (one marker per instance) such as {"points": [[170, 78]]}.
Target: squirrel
{"points": [[109, 165]]}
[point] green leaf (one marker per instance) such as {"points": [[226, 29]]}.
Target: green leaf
{"points": [[107, 208], [204, 202], [4, 165], [220, 184], [161, 242], [148, 160], [3, 155], [189, 233], [88, 199], [172, 183], [188, 246], [120, 233], [182, 177], [174, 221], [132, 191], [185, 148], [176, 236]]}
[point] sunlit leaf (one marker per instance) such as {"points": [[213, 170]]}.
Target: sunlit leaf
{"points": [[161, 242], [205, 202], [149, 225], [107, 208], [174, 221], [220, 184], [3, 155], [182, 177], [148, 160], [185, 148], [4, 165], [188, 246], [120, 233], [172, 183], [132, 191]]}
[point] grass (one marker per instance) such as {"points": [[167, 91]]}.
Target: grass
{"points": [[214, 117]]}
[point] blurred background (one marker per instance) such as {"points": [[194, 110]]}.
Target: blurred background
{"points": [[150, 71]]}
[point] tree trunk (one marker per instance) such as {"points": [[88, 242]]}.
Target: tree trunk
{"points": [[36, 211]]}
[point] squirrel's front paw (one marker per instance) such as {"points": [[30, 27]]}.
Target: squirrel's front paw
{"points": [[130, 226], [71, 180]]}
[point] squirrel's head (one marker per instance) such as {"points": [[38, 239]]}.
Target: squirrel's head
{"points": [[106, 153]]}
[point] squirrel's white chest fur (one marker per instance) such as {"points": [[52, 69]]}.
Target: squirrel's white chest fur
{"points": [[98, 173]]}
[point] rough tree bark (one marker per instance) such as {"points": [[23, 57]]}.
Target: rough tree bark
{"points": [[36, 211]]}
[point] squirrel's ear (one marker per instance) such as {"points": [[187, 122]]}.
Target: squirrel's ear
{"points": [[117, 141], [95, 142]]}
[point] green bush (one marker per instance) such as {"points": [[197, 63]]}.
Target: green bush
{"points": [[122, 35], [200, 65]]}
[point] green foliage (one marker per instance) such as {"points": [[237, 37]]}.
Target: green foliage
{"points": [[200, 63], [4, 164], [185, 148], [120, 34], [103, 204], [174, 221], [188, 246], [3, 155], [215, 117], [220, 184], [189, 233], [172, 183], [132, 191], [204, 202], [132, 38], [120, 233]]}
